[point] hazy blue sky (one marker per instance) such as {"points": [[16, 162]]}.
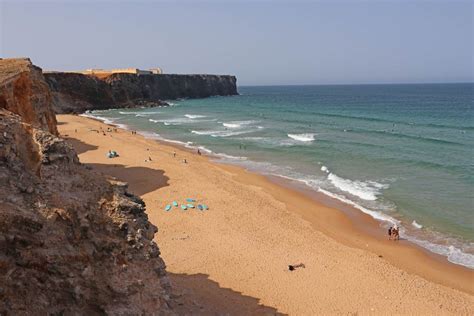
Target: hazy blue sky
{"points": [[311, 42]]}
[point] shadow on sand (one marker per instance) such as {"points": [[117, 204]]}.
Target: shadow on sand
{"points": [[80, 146], [199, 295], [196, 293], [141, 180]]}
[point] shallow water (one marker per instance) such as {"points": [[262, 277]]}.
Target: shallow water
{"points": [[401, 153]]}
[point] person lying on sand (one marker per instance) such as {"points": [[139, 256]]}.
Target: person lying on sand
{"points": [[292, 267]]}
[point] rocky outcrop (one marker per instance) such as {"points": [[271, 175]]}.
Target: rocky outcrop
{"points": [[24, 91], [71, 241], [76, 93]]}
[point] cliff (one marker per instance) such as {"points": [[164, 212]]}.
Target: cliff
{"points": [[76, 93], [71, 241], [24, 91]]}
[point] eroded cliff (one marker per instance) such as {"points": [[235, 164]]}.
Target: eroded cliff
{"points": [[76, 93], [24, 91], [71, 241]]}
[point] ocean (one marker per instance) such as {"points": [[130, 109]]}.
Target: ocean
{"points": [[400, 153]]}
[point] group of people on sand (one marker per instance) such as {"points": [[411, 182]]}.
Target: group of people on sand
{"points": [[394, 233], [103, 131]]}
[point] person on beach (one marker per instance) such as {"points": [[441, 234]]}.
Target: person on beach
{"points": [[394, 233], [185, 161], [174, 154], [199, 152]]}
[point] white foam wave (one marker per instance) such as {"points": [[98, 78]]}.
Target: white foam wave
{"points": [[106, 120], [194, 116], [219, 133], [154, 121], [270, 141], [100, 118], [325, 169], [454, 254], [173, 121], [231, 125], [137, 113], [207, 150], [416, 225], [364, 190], [238, 124], [307, 137], [150, 135], [374, 214], [204, 132], [230, 157]]}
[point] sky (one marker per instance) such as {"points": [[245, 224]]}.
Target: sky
{"points": [[261, 42]]}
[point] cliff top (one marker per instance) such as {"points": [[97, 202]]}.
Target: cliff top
{"points": [[11, 67]]}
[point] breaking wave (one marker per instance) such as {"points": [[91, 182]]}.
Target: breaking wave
{"points": [[364, 190], [194, 116], [307, 137]]}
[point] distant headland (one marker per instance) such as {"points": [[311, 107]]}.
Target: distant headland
{"points": [[92, 89]]}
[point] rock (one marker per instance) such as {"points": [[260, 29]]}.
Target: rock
{"points": [[77, 93], [24, 91], [65, 231]]}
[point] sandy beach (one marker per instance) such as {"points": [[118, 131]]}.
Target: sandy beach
{"points": [[234, 257]]}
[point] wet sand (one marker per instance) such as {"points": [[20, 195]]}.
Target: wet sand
{"points": [[234, 257]]}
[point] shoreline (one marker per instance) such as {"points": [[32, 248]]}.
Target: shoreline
{"points": [[365, 227], [366, 223], [349, 227]]}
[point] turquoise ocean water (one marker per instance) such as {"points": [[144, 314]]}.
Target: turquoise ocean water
{"points": [[401, 153]]}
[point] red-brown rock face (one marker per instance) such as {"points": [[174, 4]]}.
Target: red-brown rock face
{"points": [[23, 91], [71, 242]]}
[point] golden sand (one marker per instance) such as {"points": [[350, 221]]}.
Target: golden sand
{"points": [[234, 257]]}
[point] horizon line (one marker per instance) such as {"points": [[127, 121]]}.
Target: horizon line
{"points": [[355, 84]]}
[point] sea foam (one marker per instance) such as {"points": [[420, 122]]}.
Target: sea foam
{"points": [[194, 116], [231, 125], [364, 190], [307, 137]]}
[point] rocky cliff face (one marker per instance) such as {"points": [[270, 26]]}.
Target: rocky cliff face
{"points": [[71, 242], [76, 93], [24, 91]]}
